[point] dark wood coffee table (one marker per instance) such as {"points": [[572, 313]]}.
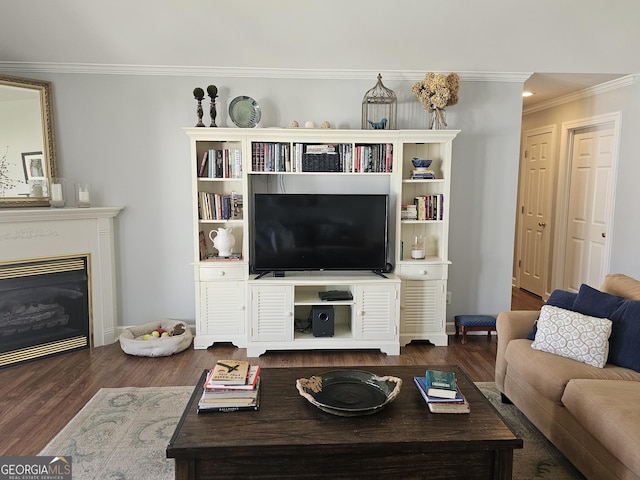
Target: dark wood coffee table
{"points": [[290, 438]]}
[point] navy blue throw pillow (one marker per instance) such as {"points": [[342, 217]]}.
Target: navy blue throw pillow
{"points": [[560, 299], [595, 303], [624, 342]]}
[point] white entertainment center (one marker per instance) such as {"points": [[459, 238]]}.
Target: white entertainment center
{"points": [[386, 311]]}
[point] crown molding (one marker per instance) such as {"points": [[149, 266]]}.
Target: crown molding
{"points": [[246, 72], [582, 94]]}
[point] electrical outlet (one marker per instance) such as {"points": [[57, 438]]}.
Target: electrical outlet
{"points": [[448, 298]]}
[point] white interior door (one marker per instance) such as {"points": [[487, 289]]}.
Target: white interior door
{"points": [[535, 210], [586, 258]]}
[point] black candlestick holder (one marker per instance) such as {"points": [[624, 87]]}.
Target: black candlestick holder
{"points": [[198, 93], [212, 90]]}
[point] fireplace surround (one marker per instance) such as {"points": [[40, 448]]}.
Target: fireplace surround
{"points": [[35, 236]]}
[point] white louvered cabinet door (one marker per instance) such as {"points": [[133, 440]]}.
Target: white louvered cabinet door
{"points": [[422, 311], [272, 313], [223, 305], [376, 312]]}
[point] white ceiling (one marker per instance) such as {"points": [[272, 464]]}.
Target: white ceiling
{"points": [[405, 35], [547, 86], [568, 37]]}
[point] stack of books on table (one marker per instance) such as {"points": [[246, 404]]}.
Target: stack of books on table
{"points": [[440, 391], [231, 385]]}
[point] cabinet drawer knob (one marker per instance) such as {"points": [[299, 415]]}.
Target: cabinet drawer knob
{"points": [[423, 272], [221, 273]]}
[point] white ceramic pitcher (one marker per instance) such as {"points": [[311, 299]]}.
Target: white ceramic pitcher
{"points": [[223, 240]]}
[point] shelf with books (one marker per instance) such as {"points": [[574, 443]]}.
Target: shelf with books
{"points": [[300, 160], [423, 220], [308, 157], [218, 172]]}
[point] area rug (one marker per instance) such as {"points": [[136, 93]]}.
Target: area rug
{"points": [[539, 458], [122, 434]]}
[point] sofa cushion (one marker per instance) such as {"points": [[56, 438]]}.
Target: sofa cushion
{"points": [[558, 298], [608, 410], [596, 303], [622, 286], [573, 335], [624, 343], [549, 374]]}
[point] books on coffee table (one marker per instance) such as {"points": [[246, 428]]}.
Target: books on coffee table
{"points": [[218, 396], [229, 372], [458, 404], [441, 384]]}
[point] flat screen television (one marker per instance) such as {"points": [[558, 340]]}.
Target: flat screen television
{"points": [[319, 232]]}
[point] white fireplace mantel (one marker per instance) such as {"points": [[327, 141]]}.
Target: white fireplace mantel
{"points": [[32, 233]]}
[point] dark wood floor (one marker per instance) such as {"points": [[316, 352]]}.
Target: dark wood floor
{"points": [[40, 397]]}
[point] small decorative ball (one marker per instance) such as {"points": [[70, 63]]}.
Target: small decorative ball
{"points": [[310, 124], [212, 90], [293, 124], [146, 336], [165, 334], [325, 124], [198, 93], [155, 333]]}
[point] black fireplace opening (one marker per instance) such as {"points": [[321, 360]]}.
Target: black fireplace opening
{"points": [[44, 309]]}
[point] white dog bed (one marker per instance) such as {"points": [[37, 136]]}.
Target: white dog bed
{"points": [[132, 342]]}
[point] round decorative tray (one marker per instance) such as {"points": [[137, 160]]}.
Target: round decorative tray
{"points": [[349, 393], [244, 112]]}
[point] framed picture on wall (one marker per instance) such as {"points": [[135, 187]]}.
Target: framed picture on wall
{"points": [[34, 167]]}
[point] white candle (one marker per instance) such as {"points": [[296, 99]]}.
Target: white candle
{"points": [[56, 192], [83, 196]]}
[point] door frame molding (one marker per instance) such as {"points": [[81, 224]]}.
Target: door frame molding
{"points": [[568, 132], [552, 129]]}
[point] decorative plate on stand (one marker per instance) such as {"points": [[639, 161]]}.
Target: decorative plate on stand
{"points": [[349, 393], [244, 112]]}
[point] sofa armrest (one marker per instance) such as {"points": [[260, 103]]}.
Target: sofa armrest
{"points": [[509, 326]]}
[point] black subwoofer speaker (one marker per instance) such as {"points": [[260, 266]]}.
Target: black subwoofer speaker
{"points": [[322, 320]]}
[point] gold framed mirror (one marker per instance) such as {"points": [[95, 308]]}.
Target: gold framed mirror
{"points": [[27, 146]]}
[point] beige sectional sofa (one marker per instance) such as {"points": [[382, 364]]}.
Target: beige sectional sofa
{"points": [[591, 414]]}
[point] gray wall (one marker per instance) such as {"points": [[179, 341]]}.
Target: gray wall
{"points": [[123, 134]]}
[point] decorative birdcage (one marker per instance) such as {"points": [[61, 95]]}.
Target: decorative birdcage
{"points": [[379, 107]]}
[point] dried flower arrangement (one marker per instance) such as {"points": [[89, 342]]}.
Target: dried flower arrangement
{"points": [[437, 91], [6, 182]]}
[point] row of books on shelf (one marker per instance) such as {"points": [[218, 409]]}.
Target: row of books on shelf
{"points": [[424, 207], [231, 386], [220, 206], [302, 157], [440, 391], [221, 163]]}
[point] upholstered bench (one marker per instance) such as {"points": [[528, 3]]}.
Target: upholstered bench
{"points": [[474, 322]]}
